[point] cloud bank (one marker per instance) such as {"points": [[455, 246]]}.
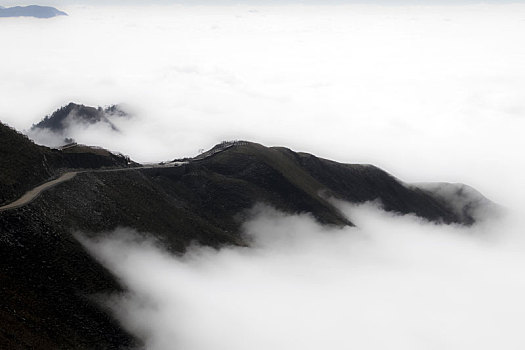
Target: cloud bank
{"points": [[429, 93], [394, 282]]}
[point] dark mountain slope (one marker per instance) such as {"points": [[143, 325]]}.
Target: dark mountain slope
{"points": [[205, 199], [320, 179], [360, 183], [47, 280], [23, 164]]}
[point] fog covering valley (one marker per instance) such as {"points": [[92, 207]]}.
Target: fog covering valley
{"points": [[428, 93], [395, 282]]}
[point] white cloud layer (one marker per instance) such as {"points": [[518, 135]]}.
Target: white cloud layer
{"points": [[430, 93], [394, 282]]}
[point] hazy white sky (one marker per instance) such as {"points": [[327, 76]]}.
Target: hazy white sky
{"points": [[428, 93]]}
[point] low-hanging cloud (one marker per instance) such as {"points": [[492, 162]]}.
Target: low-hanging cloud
{"points": [[80, 124], [430, 93], [394, 282]]}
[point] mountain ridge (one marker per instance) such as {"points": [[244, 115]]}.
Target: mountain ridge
{"points": [[48, 280], [22, 159]]}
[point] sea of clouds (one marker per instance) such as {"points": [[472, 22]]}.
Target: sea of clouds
{"points": [[393, 282], [428, 93]]}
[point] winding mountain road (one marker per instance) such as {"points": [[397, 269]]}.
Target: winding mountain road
{"points": [[32, 194]]}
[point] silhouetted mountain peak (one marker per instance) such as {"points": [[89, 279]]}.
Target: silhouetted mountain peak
{"points": [[61, 126], [62, 118]]}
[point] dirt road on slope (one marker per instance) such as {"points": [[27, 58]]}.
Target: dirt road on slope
{"points": [[31, 195]]}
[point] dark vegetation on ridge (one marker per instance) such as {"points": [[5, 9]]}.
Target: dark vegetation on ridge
{"points": [[47, 279]]}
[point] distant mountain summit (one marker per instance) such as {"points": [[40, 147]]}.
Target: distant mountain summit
{"points": [[31, 11], [77, 113], [59, 127]]}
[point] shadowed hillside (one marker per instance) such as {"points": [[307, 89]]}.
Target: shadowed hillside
{"points": [[23, 164], [47, 279]]}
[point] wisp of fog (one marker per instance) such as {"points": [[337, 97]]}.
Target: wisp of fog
{"points": [[395, 282]]}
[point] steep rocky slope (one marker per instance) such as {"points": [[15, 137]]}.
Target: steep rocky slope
{"points": [[48, 281]]}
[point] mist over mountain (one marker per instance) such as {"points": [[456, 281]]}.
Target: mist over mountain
{"points": [[249, 245], [50, 279], [62, 126], [31, 11]]}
